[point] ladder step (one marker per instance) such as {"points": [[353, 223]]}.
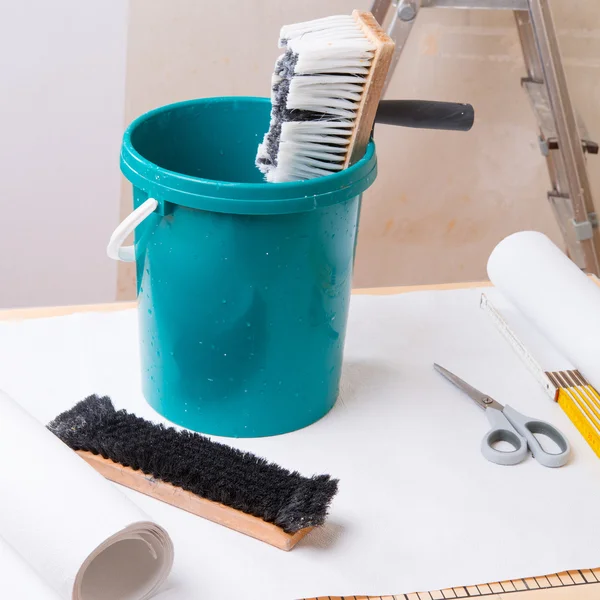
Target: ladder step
{"points": [[538, 96]]}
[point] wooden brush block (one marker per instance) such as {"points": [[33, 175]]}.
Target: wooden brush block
{"points": [[176, 496], [380, 64]]}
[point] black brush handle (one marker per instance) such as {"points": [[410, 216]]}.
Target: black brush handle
{"points": [[426, 114]]}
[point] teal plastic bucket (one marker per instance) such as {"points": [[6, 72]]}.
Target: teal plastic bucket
{"points": [[243, 286]]}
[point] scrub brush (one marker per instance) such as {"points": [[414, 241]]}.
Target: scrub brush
{"points": [[325, 96], [325, 93], [212, 480]]}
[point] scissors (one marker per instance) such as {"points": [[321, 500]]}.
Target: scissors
{"points": [[512, 427]]}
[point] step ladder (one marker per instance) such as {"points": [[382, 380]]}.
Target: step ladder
{"points": [[563, 139]]}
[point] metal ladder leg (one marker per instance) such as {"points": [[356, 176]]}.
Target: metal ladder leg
{"points": [[563, 141], [560, 138], [405, 13]]}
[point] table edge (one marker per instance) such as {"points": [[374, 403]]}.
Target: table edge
{"points": [[19, 314]]}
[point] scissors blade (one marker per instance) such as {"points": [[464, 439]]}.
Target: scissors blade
{"points": [[481, 399]]}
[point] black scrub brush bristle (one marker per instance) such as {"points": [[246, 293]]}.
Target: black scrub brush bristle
{"points": [[188, 470]]}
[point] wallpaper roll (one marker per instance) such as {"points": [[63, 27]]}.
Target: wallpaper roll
{"points": [[76, 530], [553, 294]]}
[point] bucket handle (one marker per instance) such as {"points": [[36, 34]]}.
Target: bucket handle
{"points": [[115, 248]]}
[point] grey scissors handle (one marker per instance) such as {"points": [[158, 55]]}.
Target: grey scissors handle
{"points": [[527, 427], [509, 425], [503, 431]]}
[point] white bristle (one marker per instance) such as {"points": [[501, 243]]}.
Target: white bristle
{"points": [[317, 55], [309, 149], [327, 62], [339, 22]]}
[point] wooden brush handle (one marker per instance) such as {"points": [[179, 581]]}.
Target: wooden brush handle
{"points": [[426, 114], [373, 88], [213, 511]]}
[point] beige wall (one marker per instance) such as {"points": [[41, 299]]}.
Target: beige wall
{"points": [[442, 200]]}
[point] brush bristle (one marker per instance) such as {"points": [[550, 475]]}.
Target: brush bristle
{"points": [[316, 92], [195, 463]]}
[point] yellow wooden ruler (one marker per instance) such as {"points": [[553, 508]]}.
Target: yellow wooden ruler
{"points": [[581, 404], [584, 577]]}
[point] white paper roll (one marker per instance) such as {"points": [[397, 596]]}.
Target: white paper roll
{"points": [[83, 537], [553, 294]]}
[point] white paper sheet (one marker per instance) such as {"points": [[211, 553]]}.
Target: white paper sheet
{"points": [[18, 580], [82, 536], [419, 507], [553, 294]]}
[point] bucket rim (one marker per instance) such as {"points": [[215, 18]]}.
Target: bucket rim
{"points": [[240, 197]]}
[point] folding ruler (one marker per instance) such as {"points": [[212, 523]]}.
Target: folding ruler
{"points": [[563, 138], [586, 581]]}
